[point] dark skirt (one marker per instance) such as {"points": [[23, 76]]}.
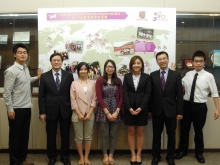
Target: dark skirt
{"points": [[136, 120]]}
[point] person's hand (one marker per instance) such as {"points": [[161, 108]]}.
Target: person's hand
{"points": [[115, 115], [87, 117], [110, 117], [137, 111], [80, 116], [42, 118], [179, 117], [39, 72], [11, 115], [216, 114], [132, 111], [173, 66]]}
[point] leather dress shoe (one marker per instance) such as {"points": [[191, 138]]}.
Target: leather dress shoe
{"points": [[180, 155], [52, 162], [155, 161], [65, 161], [170, 162], [200, 158]]}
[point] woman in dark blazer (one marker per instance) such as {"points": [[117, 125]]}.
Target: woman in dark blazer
{"points": [[137, 88]]}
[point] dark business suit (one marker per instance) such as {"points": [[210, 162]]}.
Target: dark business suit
{"points": [[135, 99], [165, 106], [56, 106]]}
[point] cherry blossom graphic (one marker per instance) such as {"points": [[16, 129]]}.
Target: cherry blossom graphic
{"points": [[95, 40], [164, 47], [49, 38]]}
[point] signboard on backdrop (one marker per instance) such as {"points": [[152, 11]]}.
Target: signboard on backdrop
{"points": [[97, 34]]}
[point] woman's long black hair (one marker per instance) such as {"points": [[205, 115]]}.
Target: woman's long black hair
{"points": [[115, 80]]}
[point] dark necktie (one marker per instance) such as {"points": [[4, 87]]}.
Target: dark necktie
{"points": [[163, 80], [193, 89], [57, 81]]}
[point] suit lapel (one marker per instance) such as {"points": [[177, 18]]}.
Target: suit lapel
{"points": [[140, 81], [51, 79], [130, 79], [89, 92], [63, 78], [168, 78], [81, 92]]}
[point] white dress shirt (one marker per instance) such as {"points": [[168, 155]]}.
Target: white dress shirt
{"points": [[205, 84], [165, 74], [55, 76], [136, 80]]}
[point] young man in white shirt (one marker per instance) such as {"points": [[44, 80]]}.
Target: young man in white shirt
{"points": [[197, 84]]}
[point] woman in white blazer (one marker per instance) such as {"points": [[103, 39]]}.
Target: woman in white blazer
{"points": [[83, 102]]}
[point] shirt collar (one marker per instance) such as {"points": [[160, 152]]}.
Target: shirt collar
{"points": [[20, 66], [200, 72], [56, 72], [135, 76], [166, 70], [81, 81]]}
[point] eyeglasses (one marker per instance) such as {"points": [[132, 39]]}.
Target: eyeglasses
{"points": [[162, 59], [198, 61], [21, 52], [56, 60], [110, 67]]}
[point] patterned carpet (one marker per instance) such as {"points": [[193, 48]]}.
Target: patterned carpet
{"points": [[212, 158]]}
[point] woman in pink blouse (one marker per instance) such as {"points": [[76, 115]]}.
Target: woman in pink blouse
{"points": [[83, 102]]}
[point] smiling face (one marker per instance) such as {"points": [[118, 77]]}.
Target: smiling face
{"points": [[21, 55], [163, 61], [56, 63], [83, 72], [109, 69], [137, 66]]}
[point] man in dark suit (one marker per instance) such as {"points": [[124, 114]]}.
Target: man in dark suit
{"points": [[166, 106], [54, 106]]}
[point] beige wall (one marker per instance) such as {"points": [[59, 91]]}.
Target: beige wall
{"points": [[31, 6]]}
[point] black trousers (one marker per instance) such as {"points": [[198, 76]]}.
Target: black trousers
{"points": [[193, 113], [19, 135], [158, 124], [51, 128]]}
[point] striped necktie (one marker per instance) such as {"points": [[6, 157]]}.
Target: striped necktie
{"points": [[57, 81], [163, 80]]}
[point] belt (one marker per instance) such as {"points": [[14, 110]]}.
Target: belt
{"points": [[193, 103]]}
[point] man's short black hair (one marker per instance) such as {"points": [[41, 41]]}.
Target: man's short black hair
{"points": [[56, 54], [162, 52], [20, 45], [199, 53]]}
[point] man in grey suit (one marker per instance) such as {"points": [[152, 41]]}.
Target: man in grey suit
{"points": [[54, 106]]}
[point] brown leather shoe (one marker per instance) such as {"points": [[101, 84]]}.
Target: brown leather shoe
{"points": [[27, 163]]}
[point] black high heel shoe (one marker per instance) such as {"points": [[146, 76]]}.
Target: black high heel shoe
{"points": [[133, 163], [138, 163]]}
